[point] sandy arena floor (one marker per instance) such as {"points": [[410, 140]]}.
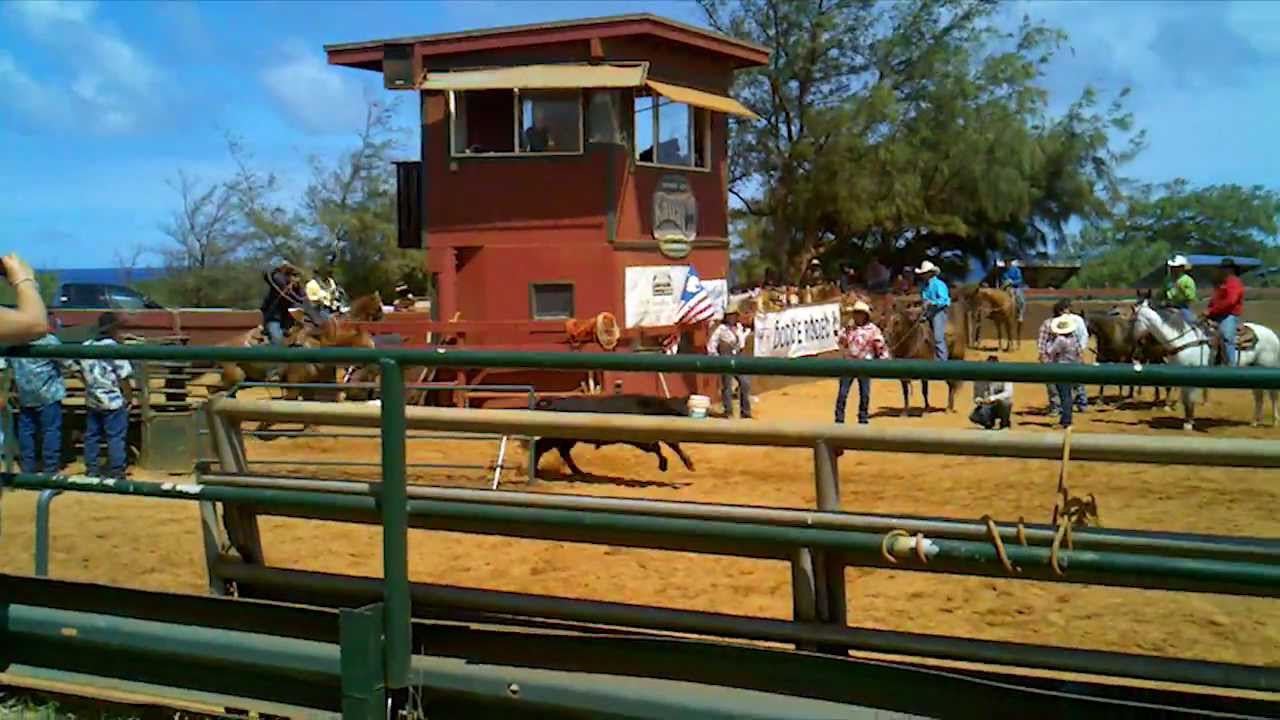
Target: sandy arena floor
{"points": [[156, 543]]}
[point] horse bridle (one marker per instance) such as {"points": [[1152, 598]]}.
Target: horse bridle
{"points": [[1175, 349]]}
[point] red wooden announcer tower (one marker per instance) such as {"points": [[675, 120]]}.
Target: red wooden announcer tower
{"points": [[567, 169]]}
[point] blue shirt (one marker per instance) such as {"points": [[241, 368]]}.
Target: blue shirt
{"points": [[39, 380], [102, 379], [1012, 276], [935, 293]]}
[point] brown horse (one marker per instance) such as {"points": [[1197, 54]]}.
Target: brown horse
{"points": [[1000, 307], [1112, 331], [367, 308], [909, 338]]}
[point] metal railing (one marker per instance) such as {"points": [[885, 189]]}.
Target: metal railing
{"points": [[817, 554]]}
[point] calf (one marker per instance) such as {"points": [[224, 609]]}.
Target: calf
{"points": [[618, 404]]}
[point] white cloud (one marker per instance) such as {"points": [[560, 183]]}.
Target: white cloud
{"points": [[101, 82], [317, 96]]}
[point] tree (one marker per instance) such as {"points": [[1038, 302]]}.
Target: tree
{"points": [[909, 130], [203, 261], [1158, 220]]}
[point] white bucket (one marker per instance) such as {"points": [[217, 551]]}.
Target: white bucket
{"points": [[698, 405]]}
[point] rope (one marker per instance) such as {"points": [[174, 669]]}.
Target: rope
{"points": [[994, 532], [884, 544], [1063, 533], [1022, 531], [1066, 459]]}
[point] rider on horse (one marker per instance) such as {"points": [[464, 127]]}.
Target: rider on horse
{"points": [[283, 292], [324, 297], [1011, 281], [1226, 306]]}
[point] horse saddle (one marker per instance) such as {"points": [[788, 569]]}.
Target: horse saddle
{"points": [[1246, 339]]}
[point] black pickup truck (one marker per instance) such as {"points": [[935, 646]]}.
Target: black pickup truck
{"points": [[101, 296]]}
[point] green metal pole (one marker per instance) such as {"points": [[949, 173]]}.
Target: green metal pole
{"points": [[395, 529], [360, 637]]}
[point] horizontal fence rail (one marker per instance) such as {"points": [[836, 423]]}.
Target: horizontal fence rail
{"points": [[1221, 452], [1109, 374]]}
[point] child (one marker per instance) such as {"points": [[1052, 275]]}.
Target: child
{"points": [[861, 340], [107, 388], [1064, 349], [40, 392]]}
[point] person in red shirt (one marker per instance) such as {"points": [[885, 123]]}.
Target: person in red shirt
{"points": [[1227, 305]]}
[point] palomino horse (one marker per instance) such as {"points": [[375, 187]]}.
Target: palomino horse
{"points": [[1001, 309], [1189, 345], [367, 308], [909, 337]]}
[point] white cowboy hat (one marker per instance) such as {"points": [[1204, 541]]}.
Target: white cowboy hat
{"points": [[1179, 261], [861, 307], [1063, 325], [926, 267], [999, 263]]}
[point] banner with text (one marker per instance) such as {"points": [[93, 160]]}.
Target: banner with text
{"points": [[798, 331], [653, 294]]}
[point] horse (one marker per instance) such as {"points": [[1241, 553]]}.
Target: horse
{"points": [[909, 337], [1112, 330], [1001, 308], [1190, 345], [367, 308]]}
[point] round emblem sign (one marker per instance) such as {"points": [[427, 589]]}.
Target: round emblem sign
{"points": [[675, 216]]}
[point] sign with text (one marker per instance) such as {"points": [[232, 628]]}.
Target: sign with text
{"points": [[653, 294], [798, 331], [675, 216]]}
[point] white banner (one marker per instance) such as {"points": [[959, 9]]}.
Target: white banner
{"points": [[798, 331], [653, 294]]}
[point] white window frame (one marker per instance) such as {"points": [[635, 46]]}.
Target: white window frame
{"points": [[694, 112], [515, 122]]}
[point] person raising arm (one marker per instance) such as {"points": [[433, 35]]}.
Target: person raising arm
{"points": [[28, 321]]}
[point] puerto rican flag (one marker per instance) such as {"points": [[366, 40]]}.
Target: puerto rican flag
{"points": [[696, 305]]}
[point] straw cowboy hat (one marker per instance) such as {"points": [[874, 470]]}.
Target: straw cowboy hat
{"points": [[1063, 325], [1179, 261], [861, 307], [926, 267]]}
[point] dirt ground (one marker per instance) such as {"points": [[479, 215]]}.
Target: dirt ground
{"points": [[156, 543]]}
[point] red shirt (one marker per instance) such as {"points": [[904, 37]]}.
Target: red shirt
{"points": [[1228, 298]]}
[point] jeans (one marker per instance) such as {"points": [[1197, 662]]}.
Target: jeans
{"points": [[1064, 403], [275, 332], [1188, 314], [989, 415], [45, 423], [744, 394], [1227, 327], [113, 425], [1078, 392], [938, 321], [1019, 300], [864, 398]]}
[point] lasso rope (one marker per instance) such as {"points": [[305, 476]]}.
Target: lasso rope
{"points": [[994, 532]]}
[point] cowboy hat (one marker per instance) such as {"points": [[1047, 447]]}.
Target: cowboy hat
{"points": [[1229, 263], [1179, 261], [861, 307], [1063, 325], [926, 267]]}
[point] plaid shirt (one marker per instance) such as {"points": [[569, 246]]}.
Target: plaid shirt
{"points": [[864, 342], [1064, 349], [1046, 337]]}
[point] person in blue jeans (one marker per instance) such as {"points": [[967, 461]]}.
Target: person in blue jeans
{"points": [[936, 299], [108, 385], [1064, 349], [40, 390], [860, 340]]}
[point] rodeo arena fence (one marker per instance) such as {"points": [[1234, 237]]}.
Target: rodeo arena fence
{"points": [[370, 647]]}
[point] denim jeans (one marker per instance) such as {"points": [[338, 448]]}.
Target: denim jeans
{"points": [[44, 423], [938, 321], [744, 395], [1188, 314], [1227, 326], [111, 425], [275, 332], [864, 398], [1079, 394], [988, 416], [1064, 403]]}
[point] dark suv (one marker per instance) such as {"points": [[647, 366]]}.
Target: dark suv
{"points": [[98, 296]]}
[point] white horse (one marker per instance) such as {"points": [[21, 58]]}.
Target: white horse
{"points": [[1188, 345]]}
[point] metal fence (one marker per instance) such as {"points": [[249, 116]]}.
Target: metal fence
{"points": [[377, 662]]}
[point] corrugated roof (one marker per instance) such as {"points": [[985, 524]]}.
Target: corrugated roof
{"points": [[558, 25]]}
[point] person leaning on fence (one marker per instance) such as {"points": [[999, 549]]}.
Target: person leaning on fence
{"points": [[936, 299], [861, 339], [992, 402], [108, 388], [730, 338], [1226, 306], [1180, 287], [40, 390], [1064, 349]]}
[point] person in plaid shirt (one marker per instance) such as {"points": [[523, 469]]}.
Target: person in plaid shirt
{"points": [[860, 340], [1062, 308]]}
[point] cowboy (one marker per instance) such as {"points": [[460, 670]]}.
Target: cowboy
{"points": [[282, 293], [322, 292], [861, 339], [108, 387], [992, 402], [936, 301], [1180, 287], [1062, 309], [1226, 306], [730, 338], [1063, 349], [1011, 281]]}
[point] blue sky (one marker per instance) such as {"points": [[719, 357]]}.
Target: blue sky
{"points": [[102, 103]]}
